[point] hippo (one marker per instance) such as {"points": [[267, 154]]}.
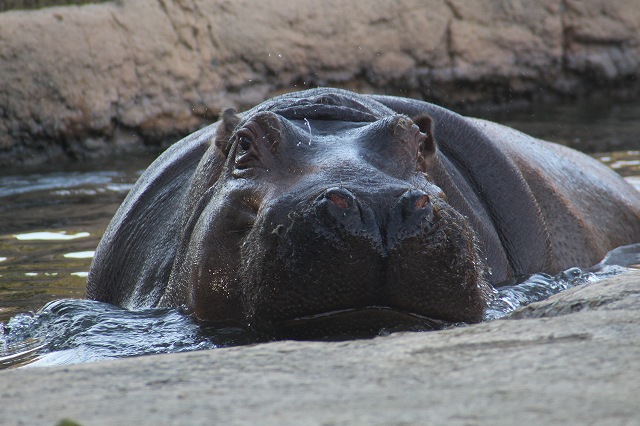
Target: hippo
{"points": [[330, 210]]}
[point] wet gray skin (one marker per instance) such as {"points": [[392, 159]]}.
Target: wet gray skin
{"points": [[326, 212]]}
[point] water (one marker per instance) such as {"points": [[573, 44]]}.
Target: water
{"points": [[70, 331], [52, 219], [50, 224], [592, 126]]}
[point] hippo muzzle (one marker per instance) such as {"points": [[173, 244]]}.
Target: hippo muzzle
{"points": [[343, 253], [311, 221]]}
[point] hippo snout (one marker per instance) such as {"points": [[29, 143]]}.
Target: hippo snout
{"points": [[381, 219]]}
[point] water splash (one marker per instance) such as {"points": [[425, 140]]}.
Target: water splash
{"points": [[71, 331], [539, 287]]}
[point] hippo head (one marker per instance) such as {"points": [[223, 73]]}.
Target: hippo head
{"points": [[321, 214]]}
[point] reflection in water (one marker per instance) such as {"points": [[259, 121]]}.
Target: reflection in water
{"points": [[50, 236], [635, 181], [80, 274], [589, 126], [626, 163], [80, 255], [51, 223]]}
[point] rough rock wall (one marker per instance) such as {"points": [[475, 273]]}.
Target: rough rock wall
{"points": [[115, 77]]}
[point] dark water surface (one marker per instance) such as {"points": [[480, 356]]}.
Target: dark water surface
{"points": [[51, 221]]}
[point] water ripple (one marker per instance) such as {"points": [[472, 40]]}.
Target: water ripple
{"points": [[71, 331]]}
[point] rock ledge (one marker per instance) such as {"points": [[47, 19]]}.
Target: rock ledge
{"points": [[580, 367]]}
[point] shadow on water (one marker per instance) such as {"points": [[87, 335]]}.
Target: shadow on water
{"points": [[52, 219]]}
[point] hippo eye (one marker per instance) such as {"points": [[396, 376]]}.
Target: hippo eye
{"points": [[245, 138], [246, 154], [245, 143]]}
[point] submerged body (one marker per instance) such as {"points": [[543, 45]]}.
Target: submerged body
{"points": [[349, 208]]}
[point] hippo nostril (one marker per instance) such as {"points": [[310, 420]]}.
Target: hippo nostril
{"points": [[414, 202], [422, 202], [339, 201], [340, 197]]}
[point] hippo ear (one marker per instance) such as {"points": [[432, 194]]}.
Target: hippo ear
{"points": [[229, 121], [427, 147]]}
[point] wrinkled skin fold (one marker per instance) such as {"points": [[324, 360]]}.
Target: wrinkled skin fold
{"points": [[326, 208]]}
